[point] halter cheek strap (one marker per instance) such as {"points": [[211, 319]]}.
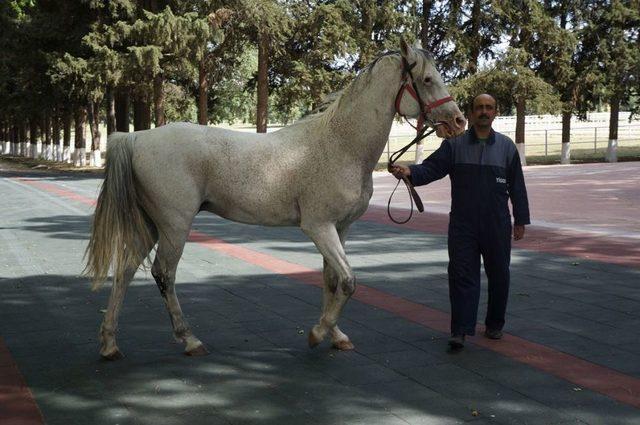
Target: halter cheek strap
{"points": [[425, 108]]}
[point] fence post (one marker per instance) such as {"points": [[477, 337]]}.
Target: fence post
{"points": [[595, 139], [546, 142], [388, 154]]}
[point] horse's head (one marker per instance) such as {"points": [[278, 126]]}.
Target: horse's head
{"points": [[429, 95]]}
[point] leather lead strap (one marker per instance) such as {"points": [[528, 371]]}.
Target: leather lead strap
{"points": [[415, 198]]}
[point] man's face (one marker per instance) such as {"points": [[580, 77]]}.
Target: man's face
{"points": [[484, 111]]}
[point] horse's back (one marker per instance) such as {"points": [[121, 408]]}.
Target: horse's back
{"points": [[238, 175]]}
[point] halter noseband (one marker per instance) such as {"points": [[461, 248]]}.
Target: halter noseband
{"points": [[412, 89]]}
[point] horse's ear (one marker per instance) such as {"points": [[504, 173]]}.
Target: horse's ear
{"points": [[417, 44], [404, 48], [407, 51]]}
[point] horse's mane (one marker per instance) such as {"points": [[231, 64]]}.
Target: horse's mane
{"points": [[329, 103]]}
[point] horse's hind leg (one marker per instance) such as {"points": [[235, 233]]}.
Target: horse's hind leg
{"points": [[108, 347], [164, 272]]}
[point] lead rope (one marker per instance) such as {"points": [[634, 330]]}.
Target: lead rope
{"points": [[414, 197]]}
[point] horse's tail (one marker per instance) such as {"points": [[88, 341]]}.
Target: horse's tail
{"points": [[120, 226]]}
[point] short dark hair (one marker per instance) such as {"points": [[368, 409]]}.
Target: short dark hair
{"points": [[473, 101]]}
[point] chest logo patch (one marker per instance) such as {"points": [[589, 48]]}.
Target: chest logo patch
{"points": [[501, 180]]}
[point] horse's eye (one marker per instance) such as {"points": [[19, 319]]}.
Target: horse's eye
{"points": [[427, 80]]}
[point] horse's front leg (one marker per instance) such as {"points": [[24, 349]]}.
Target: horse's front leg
{"points": [[339, 283], [333, 302]]}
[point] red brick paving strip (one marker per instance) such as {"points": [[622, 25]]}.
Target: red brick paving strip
{"points": [[17, 405], [621, 251]]}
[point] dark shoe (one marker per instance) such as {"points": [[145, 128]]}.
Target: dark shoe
{"points": [[493, 333], [456, 342]]}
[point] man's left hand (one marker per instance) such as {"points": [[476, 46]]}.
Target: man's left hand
{"points": [[518, 232]]}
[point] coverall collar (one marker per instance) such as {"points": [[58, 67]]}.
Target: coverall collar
{"points": [[474, 137]]}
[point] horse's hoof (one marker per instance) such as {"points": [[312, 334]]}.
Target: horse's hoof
{"points": [[314, 340], [199, 351], [344, 345], [115, 355]]}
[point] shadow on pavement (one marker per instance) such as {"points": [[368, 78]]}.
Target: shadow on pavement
{"points": [[259, 369]]}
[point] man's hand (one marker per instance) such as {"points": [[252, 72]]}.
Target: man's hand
{"points": [[518, 232], [399, 171]]}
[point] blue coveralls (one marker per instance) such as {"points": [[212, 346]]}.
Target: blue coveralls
{"points": [[483, 177]]}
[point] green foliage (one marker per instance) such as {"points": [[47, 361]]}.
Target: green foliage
{"points": [[507, 81], [230, 100], [180, 105], [562, 54]]}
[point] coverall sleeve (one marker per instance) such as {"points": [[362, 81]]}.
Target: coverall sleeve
{"points": [[435, 167], [518, 192]]}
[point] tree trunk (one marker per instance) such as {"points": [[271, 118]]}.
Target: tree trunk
{"points": [[520, 117], [565, 156], [80, 157], [158, 100], [111, 110], [95, 159], [612, 147], [5, 139], [141, 114], [46, 137], [55, 137], [263, 84], [121, 100], [15, 140], [22, 138], [368, 12], [420, 145], [203, 89], [66, 136], [424, 40], [33, 137], [476, 16], [424, 30]]}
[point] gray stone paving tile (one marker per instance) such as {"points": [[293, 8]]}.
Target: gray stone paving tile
{"points": [[400, 328], [363, 374], [606, 335], [629, 345], [485, 396], [356, 309], [624, 362], [606, 316], [405, 361], [377, 418], [324, 357]]}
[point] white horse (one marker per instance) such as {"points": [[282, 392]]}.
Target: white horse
{"points": [[315, 174]]}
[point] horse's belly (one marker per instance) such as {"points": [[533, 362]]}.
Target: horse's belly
{"points": [[254, 213]]}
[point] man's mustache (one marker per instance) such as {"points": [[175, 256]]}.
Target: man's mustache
{"points": [[484, 116]]}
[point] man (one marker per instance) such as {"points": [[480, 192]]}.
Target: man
{"points": [[484, 168]]}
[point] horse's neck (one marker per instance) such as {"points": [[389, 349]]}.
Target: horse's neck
{"points": [[363, 117]]}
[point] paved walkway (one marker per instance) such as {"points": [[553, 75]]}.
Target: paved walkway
{"points": [[571, 356]]}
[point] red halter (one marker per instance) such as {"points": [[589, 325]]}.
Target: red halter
{"points": [[425, 108]]}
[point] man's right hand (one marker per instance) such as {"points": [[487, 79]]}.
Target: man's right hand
{"points": [[400, 171]]}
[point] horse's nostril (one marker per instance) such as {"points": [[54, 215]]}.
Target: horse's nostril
{"points": [[460, 121]]}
